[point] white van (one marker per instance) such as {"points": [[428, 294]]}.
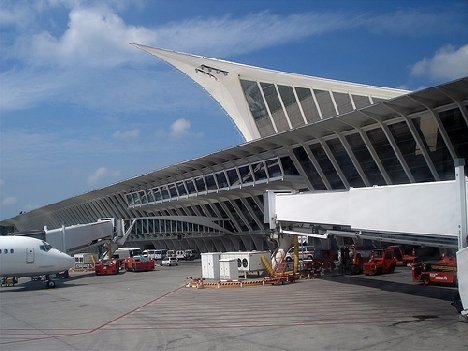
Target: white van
{"points": [[155, 254], [305, 253], [180, 254], [125, 252]]}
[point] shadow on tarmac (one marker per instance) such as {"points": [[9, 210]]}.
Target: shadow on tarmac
{"points": [[440, 292]]}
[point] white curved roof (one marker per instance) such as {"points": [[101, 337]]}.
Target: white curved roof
{"points": [[263, 102]]}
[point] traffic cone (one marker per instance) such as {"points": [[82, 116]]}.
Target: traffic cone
{"points": [[200, 284]]}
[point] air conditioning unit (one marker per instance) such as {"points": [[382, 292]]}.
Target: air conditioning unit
{"points": [[248, 261]]}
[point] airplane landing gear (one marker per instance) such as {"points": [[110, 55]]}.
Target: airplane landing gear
{"points": [[49, 283]]}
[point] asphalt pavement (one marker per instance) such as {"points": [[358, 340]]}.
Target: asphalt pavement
{"points": [[156, 311]]}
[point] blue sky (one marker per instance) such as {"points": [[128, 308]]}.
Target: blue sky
{"points": [[80, 108]]}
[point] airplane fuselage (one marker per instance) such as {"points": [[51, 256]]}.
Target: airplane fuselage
{"points": [[23, 256]]}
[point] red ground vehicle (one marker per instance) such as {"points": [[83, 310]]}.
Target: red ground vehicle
{"points": [[107, 267], [326, 259], [139, 264], [382, 261], [402, 259], [352, 259], [442, 272]]}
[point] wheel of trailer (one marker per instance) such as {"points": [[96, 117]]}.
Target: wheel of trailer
{"points": [[50, 284]]}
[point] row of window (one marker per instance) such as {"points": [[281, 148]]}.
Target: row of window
{"points": [[168, 227], [247, 175], [5, 251], [405, 152], [415, 150], [291, 107], [240, 215]]}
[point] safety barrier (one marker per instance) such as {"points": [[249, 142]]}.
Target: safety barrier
{"points": [[200, 283]]}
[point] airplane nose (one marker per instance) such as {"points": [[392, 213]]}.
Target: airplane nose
{"points": [[66, 262]]}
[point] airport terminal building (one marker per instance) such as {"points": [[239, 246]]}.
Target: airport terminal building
{"points": [[302, 134]]}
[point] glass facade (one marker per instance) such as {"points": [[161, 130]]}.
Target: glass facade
{"points": [[313, 139], [276, 108], [241, 176]]}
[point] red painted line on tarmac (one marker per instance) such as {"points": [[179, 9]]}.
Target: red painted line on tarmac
{"points": [[86, 331]]}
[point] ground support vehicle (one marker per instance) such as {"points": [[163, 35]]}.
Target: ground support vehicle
{"points": [[156, 254], [311, 268], [305, 253], [281, 276], [402, 259], [442, 272], [169, 261], [326, 258], [107, 267], [9, 281], [85, 260], [382, 261], [125, 252], [139, 264], [190, 254], [352, 258], [323, 261]]}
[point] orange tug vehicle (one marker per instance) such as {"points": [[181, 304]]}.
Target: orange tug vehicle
{"points": [[352, 259], [107, 267], [442, 272], [382, 261], [403, 259], [139, 264]]}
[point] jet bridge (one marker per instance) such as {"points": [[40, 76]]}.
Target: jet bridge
{"points": [[432, 214], [85, 237]]}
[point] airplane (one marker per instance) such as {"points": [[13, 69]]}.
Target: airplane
{"points": [[22, 256]]}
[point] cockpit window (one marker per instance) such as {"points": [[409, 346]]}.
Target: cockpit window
{"points": [[46, 247]]}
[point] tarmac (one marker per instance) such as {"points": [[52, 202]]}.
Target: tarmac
{"points": [[157, 311]]}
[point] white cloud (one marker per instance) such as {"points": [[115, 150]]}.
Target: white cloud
{"points": [[96, 36], [181, 128], [96, 176], [11, 200], [408, 22], [447, 64], [130, 134]]}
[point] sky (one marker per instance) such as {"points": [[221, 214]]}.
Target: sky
{"points": [[81, 109]]}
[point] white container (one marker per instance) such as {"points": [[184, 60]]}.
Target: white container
{"points": [[248, 261], [85, 260], [228, 269], [210, 265]]}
